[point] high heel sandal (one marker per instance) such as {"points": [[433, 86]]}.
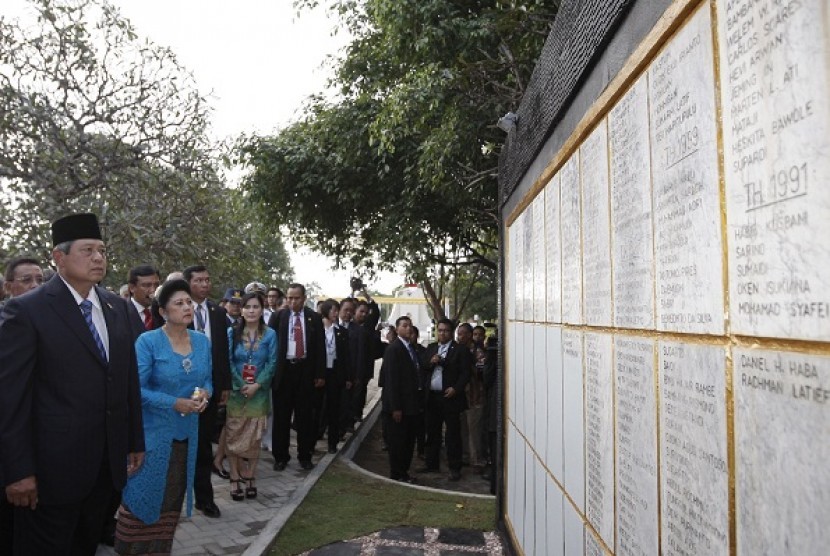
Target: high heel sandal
{"points": [[250, 490], [237, 494]]}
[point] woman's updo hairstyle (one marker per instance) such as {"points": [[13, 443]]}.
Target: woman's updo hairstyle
{"points": [[169, 288]]}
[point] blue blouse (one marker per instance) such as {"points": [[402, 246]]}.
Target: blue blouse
{"points": [[164, 377]]}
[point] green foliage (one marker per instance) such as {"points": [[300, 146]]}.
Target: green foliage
{"points": [[402, 165], [95, 118]]}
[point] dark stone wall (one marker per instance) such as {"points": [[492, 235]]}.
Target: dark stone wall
{"points": [[587, 46]]}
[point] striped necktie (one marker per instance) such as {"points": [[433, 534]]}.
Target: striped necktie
{"points": [[86, 309]]}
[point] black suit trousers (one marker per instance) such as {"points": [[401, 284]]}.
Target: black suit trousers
{"points": [[295, 396], [65, 530], [401, 443], [439, 413], [202, 486]]}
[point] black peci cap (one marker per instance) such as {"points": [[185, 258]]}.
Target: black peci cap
{"points": [[75, 226]]}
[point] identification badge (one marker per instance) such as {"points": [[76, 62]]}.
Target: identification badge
{"points": [[248, 373]]}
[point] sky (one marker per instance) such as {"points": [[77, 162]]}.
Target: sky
{"points": [[258, 60]]}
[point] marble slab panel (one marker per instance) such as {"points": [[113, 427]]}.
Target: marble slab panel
{"points": [[554, 399], [573, 417], [782, 423], [636, 434], [694, 478], [519, 274], [539, 263], [527, 255], [540, 389], [553, 248], [592, 545], [687, 211], [574, 532], [555, 520], [529, 531], [599, 435], [571, 242], [526, 401], [631, 212], [596, 228], [514, 349], [511, 471], [540, 493], [775, 94]]}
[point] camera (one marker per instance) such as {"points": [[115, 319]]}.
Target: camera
{"points": [[356, 284]]}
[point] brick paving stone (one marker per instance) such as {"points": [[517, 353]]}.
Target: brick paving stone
{"points": [[461, 536], [410, 534], [338, 549]]}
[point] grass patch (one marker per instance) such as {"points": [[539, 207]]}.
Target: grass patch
{"points": [[345, 504]]}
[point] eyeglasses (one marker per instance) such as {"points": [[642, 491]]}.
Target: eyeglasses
{"points": [[28, 279]]}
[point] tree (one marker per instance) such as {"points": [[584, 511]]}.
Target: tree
{"points": [[93, 117], [402, 165]]}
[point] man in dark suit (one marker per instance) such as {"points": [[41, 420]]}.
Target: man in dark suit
{"points": [[446, 367], [366, 315], [143, 281], [70, 401], [301, 367], [402, 401], [212, 321]]}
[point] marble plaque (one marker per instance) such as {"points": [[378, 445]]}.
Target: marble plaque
{"points": [[554, 519], [555, 444], [571, 243], [687, 214], [574, 420], [514, 350], [632, 237], [540, 389], [529, 534], [782, 423], [596, 228], [521, 489], [574, 532], [592, 544], [540, 537], [539, 264], [519, 274], [526, 392], [599, 435], [553, 247], [636, 432], [694, 478], [527, 255], [511, 470], [775, 68]]}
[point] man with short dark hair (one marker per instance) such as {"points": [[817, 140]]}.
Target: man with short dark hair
{"points": [[273, 300], [402, 400], [210, 320], [22, 274], [301, 361], [70, 401], [142, 281], [447, 370]]}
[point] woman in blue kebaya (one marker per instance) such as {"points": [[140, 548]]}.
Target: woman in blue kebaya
{"points": [[174, 368]]}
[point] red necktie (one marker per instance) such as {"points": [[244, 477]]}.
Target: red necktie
{"points": [[148, 319], [299, 347]]}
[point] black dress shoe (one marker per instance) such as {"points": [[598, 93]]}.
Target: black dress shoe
{"points": [[221, 472], [408, 479], [280, 465], [305, 464], [455, 475], [332, 449], [210, 509]]}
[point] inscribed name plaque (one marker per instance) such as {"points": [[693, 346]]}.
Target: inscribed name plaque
{"points": [[687, 214], [526, 424], [632, 239], [573, 417], [775, 68], [553, 454], [599, 435], [510, 274], [555, 520], [782, 424], [596, 228], [636, 431], [553, 254], [571, 251], [694, 481], [540, 436], [538, 207]]}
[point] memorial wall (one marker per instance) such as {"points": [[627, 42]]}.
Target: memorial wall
{"points": [[667, 300]]}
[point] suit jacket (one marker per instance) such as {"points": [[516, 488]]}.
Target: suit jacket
{"points": [[361, 351], [219, 350], [456, 372], [136, 320], [61, 403], [343, 368], [402, 389], [315, 345]]}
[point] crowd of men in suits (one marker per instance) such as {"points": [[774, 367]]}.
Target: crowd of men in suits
{"points": [[70, 403]]}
